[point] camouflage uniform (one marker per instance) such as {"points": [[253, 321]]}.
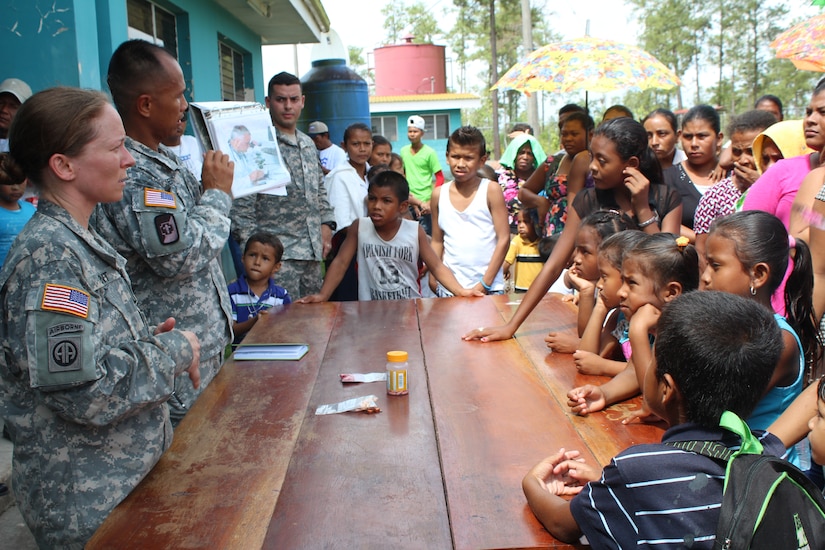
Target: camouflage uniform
{"points": [[296, 218], [172, 243], [83, 381]]}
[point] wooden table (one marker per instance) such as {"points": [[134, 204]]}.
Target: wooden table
{"points": [[252, 466]]}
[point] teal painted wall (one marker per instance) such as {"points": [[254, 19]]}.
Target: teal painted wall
{"points": [[440, 145], [206, 22], [111, 31], [71, 46], [43, 49]]}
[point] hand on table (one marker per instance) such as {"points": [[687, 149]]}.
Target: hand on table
{"points": [[489, 334], [562, 342], [586, 399], [472, 292], [311, 299], [588, 362], [644, 414], [563, 473], [571, 298]]}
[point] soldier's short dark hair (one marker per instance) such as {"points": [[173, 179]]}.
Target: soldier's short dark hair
{"points": [[133, 68], [282, 79]]}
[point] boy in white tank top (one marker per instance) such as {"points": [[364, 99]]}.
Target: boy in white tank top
{"points": [[471, 232], [388, 249]]}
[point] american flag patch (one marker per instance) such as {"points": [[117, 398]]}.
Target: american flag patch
{"points": [[66, 300], [156, 197]]}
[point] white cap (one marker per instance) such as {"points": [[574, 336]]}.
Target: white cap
{"points": [[317, 127], [17, 88], [417, 122]]}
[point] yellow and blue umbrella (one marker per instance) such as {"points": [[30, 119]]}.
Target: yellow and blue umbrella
{"points": [[589, 64]]}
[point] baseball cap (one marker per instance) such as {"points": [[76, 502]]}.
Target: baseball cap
{"points": [[317, 127], [17, 88], [417, 122]]}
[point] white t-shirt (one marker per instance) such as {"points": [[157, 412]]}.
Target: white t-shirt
{"points": [[469, 237], [388, 270], [332, 157], [347, 193], [190, 154]]}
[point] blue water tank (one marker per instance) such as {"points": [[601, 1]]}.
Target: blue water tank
{"points": [[336, 95]]}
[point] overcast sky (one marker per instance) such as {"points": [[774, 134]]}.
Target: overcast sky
{"points": [[364, 27]]}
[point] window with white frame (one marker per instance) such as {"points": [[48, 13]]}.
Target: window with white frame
{"points": [[386, 126], [438, 126], [152, 23]]}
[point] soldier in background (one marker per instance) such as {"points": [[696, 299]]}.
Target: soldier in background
{"points": [[169, 228], [303, 220]]}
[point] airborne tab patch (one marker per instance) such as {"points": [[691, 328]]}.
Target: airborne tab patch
{"points": [[65, 299], [65, 347], [156, 197]]}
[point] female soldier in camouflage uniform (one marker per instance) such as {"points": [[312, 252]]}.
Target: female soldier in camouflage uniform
{"points": [[83, 379]]}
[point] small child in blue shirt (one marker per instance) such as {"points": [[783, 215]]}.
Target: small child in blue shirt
{"points": [[254, 293], [14, 213]]}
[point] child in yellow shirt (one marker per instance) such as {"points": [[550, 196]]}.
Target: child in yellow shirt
{"points": [[524, 252]]}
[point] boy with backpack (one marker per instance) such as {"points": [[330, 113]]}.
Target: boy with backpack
{"points": [[707, 345]]}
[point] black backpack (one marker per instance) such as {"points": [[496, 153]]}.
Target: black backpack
{"points": [[768, 503]]}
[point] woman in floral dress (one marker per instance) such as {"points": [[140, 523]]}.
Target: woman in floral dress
{"points": [[551, 193]]}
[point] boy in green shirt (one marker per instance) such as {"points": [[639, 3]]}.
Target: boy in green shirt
{"points": [[420, 165]]}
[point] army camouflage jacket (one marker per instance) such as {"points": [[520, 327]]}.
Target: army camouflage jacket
{"points": [[171, 234], [83, 382], [296, 218]]}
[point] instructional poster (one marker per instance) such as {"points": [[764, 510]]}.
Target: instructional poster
{"points": [[244, 132]]}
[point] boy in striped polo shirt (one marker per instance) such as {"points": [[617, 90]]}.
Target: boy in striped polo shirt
{"points": [[714, 352], [255, 292]]}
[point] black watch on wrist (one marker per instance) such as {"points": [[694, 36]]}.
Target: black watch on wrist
{"points": [[331, 225]]}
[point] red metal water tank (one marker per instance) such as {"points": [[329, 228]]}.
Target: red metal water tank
{"points": [[407, 69]]}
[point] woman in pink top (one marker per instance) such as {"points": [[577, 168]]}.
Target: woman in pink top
{"points": [[775, 191]]}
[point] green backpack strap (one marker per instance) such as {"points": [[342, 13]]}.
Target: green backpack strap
{"points": [[750, 445]]}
